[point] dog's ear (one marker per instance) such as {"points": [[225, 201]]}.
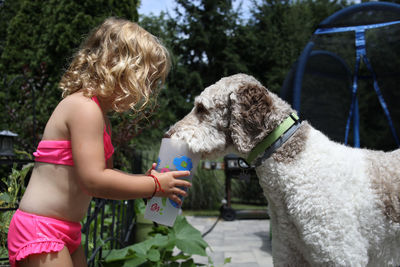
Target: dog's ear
{"points": [[250, 106]]}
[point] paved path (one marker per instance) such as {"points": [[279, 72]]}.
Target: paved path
{"points": [[246, 242]]}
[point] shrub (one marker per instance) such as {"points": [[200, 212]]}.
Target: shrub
{"points": [[207, 190], [9, 200]]}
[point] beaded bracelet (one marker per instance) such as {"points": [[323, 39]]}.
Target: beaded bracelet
{"points": [[157, 184]]}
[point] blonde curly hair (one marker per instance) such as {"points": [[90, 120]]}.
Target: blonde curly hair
{"points": [[120, 62]]}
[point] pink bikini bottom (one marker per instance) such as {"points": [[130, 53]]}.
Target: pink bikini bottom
{"points": [[33, 234]]}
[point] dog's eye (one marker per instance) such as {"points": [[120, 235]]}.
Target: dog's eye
{"points": [[200, 109]]}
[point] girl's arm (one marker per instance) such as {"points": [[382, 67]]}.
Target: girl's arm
{"points": [[86, 124]]}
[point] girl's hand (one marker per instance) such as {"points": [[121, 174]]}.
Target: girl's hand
{"points": [[172, 186]]}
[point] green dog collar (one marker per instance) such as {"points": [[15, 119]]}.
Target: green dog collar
{"points": [[272, 137]]}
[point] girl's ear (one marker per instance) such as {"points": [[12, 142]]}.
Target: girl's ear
{"points": [[250, 106]]}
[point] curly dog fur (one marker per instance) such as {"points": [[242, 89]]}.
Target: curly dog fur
{"points": [[330, 204]]}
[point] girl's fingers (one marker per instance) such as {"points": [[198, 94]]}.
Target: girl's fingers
{"points": [[180, 192], [184, 183], [176, 199], [175, 174], [179, 174]]}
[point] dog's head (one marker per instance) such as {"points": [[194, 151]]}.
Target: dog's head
{"points": [[231, 115]]}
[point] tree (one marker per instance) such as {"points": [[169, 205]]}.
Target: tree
{"points": [[206, 31], [277, 33], [53, 35], [38, 40]]}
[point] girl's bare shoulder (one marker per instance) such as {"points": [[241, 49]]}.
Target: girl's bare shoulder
{"points": [[76, 99], [77, 103], [78, 108], [73, 109]]}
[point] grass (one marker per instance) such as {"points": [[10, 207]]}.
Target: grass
{"points": [[236, 206], [201, 213]]}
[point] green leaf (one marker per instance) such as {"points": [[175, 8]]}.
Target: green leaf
{"points": [[5, 197], [153, 255], [140, 207], [143, 250], [188, 238], [143, 247], [137, 261], [118, 254], [180, 256], [188, 263], [24, 171], [112, 264], [191, 247], [25, 154]]}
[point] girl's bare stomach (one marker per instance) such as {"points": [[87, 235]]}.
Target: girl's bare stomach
{"points": [[54, 191]]}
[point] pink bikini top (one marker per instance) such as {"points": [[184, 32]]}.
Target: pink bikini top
{"points": [[60, 152]]}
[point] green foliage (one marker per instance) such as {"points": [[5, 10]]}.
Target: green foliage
{"points": [[248, 191], [15, 184], [158, 249], [207, 29], [207, 190], [33, 39], [37, 40], [276, 34], [93, 238], [164, 246], [27, 101]]}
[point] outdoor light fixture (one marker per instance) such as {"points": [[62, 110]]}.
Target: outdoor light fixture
{"points": [[6, 143], [212, 165], [235, 163]]}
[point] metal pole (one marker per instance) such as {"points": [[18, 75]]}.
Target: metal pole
{"points": [[34, 116]]}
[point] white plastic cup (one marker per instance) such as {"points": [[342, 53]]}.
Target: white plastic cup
{"points": [[174, 155]]}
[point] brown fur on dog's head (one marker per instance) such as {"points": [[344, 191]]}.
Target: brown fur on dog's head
{"points": [[250, 106]]}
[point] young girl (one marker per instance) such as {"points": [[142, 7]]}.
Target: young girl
{"points": [[119, 67]]}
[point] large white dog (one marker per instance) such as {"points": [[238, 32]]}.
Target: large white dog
{"points": [[330, 205]]}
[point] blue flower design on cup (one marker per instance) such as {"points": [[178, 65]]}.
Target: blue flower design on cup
{"points": [[181, 164]]}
